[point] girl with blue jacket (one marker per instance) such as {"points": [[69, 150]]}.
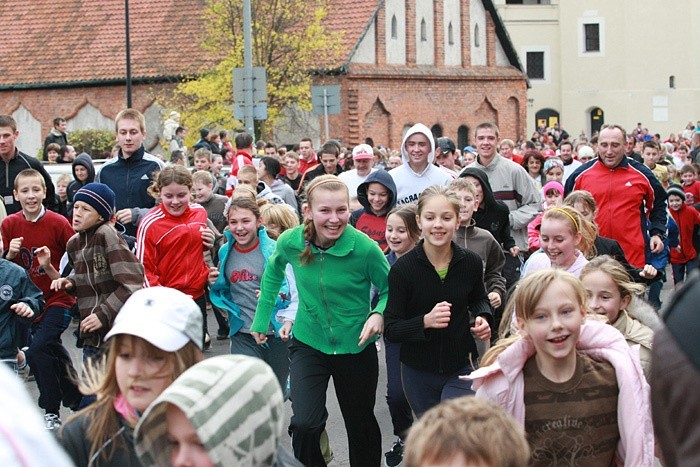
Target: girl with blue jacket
{"points": [[242, 261]]}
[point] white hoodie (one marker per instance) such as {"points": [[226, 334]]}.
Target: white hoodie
{"points": [[409, 184]]}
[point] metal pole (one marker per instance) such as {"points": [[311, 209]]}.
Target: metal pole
{"points": [[128, 55], [325, 109], [248, 67]]}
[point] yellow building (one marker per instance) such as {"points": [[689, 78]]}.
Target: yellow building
{"points": [[592, 62]]}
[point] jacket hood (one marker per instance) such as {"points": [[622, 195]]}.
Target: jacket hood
{"points": [[418, 128], [487, 192], [382, 177], [246, 399], [85, 160]]}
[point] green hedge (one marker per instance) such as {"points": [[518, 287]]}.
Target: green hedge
{"points": [[97, 143]]}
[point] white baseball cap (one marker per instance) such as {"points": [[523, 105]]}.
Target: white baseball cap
{"points": [[363, 151], [164, 317]]}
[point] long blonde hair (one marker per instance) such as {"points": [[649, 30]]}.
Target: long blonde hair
{"points": [[578, 224], [524, 300], [324, 183], [100, 378]]}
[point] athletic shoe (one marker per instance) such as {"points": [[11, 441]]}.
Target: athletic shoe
{"points": [[222, 335], [207, 342], [394, 457], [52, 422]]}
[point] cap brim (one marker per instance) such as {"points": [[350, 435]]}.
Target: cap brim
{"points": [[156, 333], [362, 156]]}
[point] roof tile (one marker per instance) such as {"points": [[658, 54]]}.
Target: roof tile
{"points": [[45, 41]]}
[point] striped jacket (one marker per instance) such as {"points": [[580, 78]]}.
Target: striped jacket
{"points": [[105, 273]]}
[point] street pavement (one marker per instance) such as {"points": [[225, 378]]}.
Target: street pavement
{"points": [[334, 426]]}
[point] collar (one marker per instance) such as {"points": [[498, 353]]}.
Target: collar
{"points": [[490, 164], [41, 214], [137, 155]]}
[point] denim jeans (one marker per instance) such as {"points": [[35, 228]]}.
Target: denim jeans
{"points": [[425, 389], [399, 408]]}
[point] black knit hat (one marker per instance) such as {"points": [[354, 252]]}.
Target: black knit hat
{"points": [[676, 190], [99, 196]]}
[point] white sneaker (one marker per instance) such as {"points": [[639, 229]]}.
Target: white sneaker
{"points": [[52, 422]]}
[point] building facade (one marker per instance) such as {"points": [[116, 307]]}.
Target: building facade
{"points": [[598, 61], [448, 64]]}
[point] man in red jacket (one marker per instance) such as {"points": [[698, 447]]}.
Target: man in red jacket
{"points": [[627, 193]]}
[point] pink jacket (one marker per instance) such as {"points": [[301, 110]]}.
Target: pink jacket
{"points": [[503, 383]]}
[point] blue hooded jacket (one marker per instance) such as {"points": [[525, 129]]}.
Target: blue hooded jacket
{"points": [[220, 293]]}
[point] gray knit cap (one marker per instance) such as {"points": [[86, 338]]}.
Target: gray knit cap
{"points": [[235, 404]]}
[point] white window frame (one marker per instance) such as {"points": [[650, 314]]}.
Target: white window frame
{"points": [[582, 36], [547, 62]]}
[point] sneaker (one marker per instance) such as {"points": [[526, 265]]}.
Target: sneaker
{"points": [[23, 372], [52, 422], [207, 342], [222, 335], [394, 457]]}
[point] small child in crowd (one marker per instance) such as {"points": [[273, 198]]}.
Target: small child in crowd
{"points": [[83, 173], [572, 382], [684, 256], [690, 185], [105, 273], [37, 240], [52, 152], [172, 238], [480, 241], [468, 431], [377, 195], [213, 203], [22, 301], [651, 155], [553, 196], [248, 429], [553, 170], [402, 234], [611, 293], [202, 159], [156, 336], [236, 283], [62, 194]]}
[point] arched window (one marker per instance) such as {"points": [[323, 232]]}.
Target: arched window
{"points": [[436, 130], [476, 35], [423, 31], [462, 136], [394, 28], [450, 34]]}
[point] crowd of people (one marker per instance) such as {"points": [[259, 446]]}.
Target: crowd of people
{"points": [[515, 287]]}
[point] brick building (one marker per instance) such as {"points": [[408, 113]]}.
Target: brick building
{"points": [[68, 59], [446, 63]]}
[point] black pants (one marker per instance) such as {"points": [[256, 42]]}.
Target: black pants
{"points": [[355, 381], [202, 304], [52, 365]]}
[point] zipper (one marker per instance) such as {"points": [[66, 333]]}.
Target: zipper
{"points": [[97, 296], [325, 304]]}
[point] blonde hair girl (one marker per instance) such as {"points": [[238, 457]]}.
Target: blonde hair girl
{"points": [[612, 293], [154, 339], [575, 376], [335, 266], [566, 239]]}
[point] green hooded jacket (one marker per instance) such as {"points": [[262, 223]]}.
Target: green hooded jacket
{"points": [[334, 289]]}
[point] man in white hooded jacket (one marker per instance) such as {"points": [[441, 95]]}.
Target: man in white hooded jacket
{"points": [[417, 172]]}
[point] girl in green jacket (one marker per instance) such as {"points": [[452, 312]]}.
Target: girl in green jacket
{"points": [[335, 267]]}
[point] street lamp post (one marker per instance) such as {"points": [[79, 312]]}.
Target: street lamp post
{"points": [[128, 55]]}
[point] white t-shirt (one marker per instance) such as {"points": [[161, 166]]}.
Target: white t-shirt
{"points": [[353, 180]]}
